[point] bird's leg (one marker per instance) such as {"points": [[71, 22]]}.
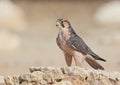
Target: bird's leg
{"points": [[68, 59], [77, 61], [78, 57]]}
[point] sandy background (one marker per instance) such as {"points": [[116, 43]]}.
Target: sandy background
{"points": [[38, 41]]}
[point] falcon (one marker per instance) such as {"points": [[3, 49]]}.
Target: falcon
{"points": [[74, 47]]}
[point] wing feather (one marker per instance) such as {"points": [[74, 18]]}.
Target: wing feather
{"points": [[58, 42], [78, 44]]}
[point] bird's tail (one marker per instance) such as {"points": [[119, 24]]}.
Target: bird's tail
{"points": [[96, 56], [93, 63]]}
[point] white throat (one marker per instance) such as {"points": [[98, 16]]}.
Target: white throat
{"points": [[65, 32]]}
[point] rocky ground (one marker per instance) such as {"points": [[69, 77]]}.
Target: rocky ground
{"points": [[64, 76], [34, 44], [32, 33], [2, 80]]}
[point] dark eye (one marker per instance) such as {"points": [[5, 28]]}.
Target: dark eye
{"points": [[62, 22]]}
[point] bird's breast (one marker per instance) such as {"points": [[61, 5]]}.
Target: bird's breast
{"points": [[64, 45]]}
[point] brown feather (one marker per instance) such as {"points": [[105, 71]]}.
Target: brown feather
{"points": [[69, 42], [93, 63], [68, 59]]}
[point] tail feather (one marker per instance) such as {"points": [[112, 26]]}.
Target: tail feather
{"points": [[96, 57], [93, 63]]}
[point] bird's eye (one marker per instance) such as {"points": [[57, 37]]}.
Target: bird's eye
{"points": [[62, 22]]}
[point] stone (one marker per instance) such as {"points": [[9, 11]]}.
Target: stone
{"points": [[1, 80], [63, 83], [53, 73], [11, 80], [65, 76]]}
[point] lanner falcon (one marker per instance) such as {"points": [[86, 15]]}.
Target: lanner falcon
{"points": [[73, 46]]}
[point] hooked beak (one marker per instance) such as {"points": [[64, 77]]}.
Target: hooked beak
{"points": [[59, 23]]}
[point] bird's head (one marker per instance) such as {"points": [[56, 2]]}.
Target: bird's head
{"points": [[63, 23]]}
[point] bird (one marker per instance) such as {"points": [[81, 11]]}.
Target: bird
{"points": [[74, 47]]}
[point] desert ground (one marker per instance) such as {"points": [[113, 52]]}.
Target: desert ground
{"points": [[38, 41]]}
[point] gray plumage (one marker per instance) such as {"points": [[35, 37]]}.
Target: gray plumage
{"points": [[73, 46]]}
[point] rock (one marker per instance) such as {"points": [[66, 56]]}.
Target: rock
{"points": [[2, 80], [63, 83], [65, 76], [52, 74], [65, 70], [11, 80]]}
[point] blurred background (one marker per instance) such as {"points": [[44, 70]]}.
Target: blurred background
{"points": [[28, 32]]}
